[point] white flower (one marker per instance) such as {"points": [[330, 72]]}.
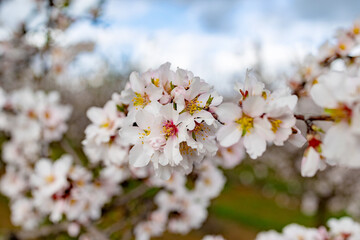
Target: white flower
{"points": [[229, 157], [270, 235], [157, 139], [338, 94], [13, 182], [105, 122], [311, 162], [213, 237], [210, 181], [50, 177], [73, 229], [247, 123], [336, 90], [23, 214], [344, 228], [20, 153], [295, 232], [251, 87], [282, 121], [189, 215]]}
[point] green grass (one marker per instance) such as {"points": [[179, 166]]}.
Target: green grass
{"points": [[248, 207]]}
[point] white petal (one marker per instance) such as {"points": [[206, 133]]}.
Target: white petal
{"points": [[172, 151], [136, 83], [43, 167], [322, 96], [262, 127], [169, 113], [138, 156], [228, 112], [310, 163], [130, 135], [254, 106], [144, 119], [228, 135], [255, 145], [96, 115]]}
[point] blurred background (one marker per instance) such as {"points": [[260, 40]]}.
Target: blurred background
{"points": [[86, 49]]}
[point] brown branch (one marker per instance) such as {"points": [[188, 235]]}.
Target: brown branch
{"points": [[321, 118], [314, 118], [309, 121], [43, 231]]}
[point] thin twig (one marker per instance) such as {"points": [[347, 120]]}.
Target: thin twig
{"points": [[96, 233], [133, 194], [314, 118], [309, 121]]}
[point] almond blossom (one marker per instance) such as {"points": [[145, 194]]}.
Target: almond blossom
{"points": [[260, 117], [337, 93], [339, 229], [50, 177], [312, 160], [170, 120]]}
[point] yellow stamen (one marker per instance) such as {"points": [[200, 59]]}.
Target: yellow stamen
{"points": [[193, 106], [342, 46], [264, 95], [50, 179], [275, 124], [245, 124], [155, 81], [140, 100], [105, 125], [356, 30], [207, 181]]}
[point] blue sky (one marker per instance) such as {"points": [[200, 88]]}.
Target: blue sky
{"points": [[216, 39]]}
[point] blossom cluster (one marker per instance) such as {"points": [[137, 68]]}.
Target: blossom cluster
{"points": [[165, 117], [339, 229], [259, 117], [181, 208], [337, 93], [331, 81], [37, 186], [337, 54]]}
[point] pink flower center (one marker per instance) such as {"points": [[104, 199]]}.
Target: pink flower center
{"points": [[169, 129]]}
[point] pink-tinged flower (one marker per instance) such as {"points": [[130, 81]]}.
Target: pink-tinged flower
{"points": [[245, 122], [338, 94], [345, 43], [312, 160], [251, 87], [156, 139], [344, 228]]}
